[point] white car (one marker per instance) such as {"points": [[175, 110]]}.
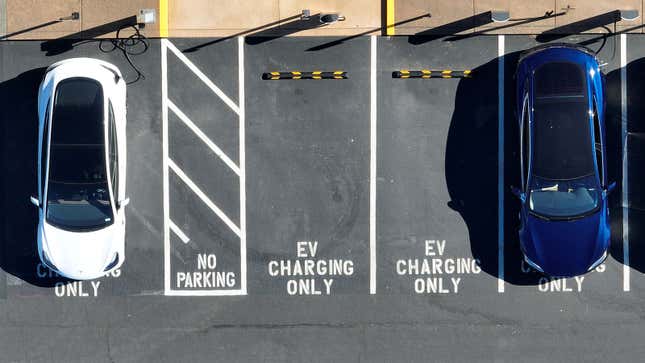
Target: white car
{"points": [[81, 168]]}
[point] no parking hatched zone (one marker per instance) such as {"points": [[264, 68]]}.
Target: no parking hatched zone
{"points": [[205, 277]]}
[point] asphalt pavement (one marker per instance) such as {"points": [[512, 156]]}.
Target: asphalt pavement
{"points": [[361, 219]]}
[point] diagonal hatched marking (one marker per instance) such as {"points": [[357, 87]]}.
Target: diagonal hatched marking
{"points": [[179, 232], [191, 125], [202, 76], [180, 173]]}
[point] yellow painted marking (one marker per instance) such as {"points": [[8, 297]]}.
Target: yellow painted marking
{"points": [[316, 73], [389, 16], [338, 72], [275, 73], [426, 71], [467, 71], [338, 77], [296, 73], [446, 71], [163, 18]]}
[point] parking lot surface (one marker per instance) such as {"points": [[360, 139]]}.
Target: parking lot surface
{"points": [[360, 219]]}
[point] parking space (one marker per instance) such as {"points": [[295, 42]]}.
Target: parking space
{"points": [[607, 279], [204, 170], [23, 65], [308, 147], [437, 170]]}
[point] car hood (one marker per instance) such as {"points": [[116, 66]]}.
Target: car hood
{"points": [[567, 248], [80, 255]]}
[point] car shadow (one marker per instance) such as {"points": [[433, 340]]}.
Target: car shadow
{"points": [[635, 160], [471, 167], [19, 153]]}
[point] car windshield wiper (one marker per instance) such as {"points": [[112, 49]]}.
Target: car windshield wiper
{"points": [[565, 218], [543, 217]]}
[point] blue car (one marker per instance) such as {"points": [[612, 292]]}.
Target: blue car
{"points": [[564, 214]]}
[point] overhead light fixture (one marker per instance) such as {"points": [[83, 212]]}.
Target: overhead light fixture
{"points": [[331, 18], [500, 16], [629, 15], [74, 16]]}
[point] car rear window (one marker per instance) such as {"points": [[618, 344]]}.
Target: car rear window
{"points": [[559, 79], [78, 112]]}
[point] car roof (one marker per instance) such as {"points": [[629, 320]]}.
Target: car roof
{"points": [[561, 126]]}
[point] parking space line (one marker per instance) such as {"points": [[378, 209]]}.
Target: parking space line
{"points": [[500, 164], [242, 161], [164, 162], [373, 164], [203, 77], [625, 186], [180, 173], [204, 292], [182, 116], [179, 232]]}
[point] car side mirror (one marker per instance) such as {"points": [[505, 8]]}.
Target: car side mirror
{"points": [[34, 201], [124, 202], [610, 188], [518, 193]]}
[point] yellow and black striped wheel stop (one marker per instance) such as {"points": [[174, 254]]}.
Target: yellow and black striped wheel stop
{"points": [[426, 73], [305, 75]]}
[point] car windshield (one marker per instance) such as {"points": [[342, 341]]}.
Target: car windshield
{"points": [[563, 198], [77, 195]]}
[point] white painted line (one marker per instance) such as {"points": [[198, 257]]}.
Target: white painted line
{"points": [[205, 292], [625, 186], [179, 232], [203, 197], [164, 161], [500, 164], [373, 165], [203, 77], [211, 145], [242, 157]]}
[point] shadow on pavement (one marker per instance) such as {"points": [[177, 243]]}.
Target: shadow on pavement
{"points": [[636, 160], [472, 168], [19, 152]]}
